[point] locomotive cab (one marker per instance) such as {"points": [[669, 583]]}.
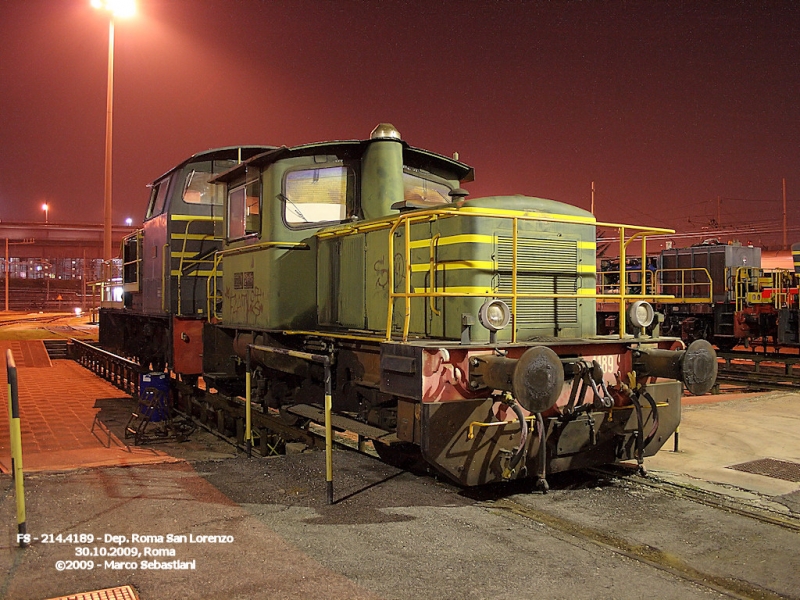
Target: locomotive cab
{"points": [[167, 262]]}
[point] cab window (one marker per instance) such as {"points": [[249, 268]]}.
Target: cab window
{"points": [[158, 194], [196, 189], [316, 195], [244, 210], [419, 191]]}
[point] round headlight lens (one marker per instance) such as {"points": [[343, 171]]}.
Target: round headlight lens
{"points": [[641, 314], [494, 315]]}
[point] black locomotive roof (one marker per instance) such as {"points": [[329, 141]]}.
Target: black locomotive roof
{"points": [[246, 153], [351, 149]]}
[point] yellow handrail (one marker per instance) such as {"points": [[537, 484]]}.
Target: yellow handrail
{"points": [[432, 273], [393, 224], [199, 219], [655, 281], [417, 217], [215, 270], [750, 283], [476, 424]]}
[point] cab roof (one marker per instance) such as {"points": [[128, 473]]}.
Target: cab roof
{"points": [[351, 149], [242, 153]]}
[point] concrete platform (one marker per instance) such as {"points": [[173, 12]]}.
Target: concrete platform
{"points": [[718, 432], [68, 417]]}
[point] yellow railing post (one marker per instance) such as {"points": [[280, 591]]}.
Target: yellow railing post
{"points": [[248, 422], [327, 362], [23, 538], [407, 266], [514, 262]]}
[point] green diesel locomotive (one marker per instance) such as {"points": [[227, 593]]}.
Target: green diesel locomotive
{"points": [[458, 330]]}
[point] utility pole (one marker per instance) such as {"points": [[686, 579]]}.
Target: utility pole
{"points": [[593, 197], [785, 245]]}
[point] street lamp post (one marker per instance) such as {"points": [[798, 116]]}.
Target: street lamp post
{"points": [[107, 184], [116, 8], [46, 209]]}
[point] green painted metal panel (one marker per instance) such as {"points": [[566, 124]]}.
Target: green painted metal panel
{"points": [[350, 296]]}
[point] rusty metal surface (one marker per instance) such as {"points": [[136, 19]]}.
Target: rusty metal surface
{"points": [[770, 467]]}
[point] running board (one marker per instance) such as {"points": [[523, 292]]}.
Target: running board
{"points": [[344, 423]]}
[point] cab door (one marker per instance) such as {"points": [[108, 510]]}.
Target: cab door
{"points": [[154, 245]]}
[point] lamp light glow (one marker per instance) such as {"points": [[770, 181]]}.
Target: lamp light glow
{"points": [[119, 8]]}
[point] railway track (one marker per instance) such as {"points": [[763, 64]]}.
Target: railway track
{"points": [[518, 506], [46, 319], [773, 371], [707, 498], [644, 553]]}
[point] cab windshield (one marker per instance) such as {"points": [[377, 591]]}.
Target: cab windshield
{"points": [[196, 189], [422, 192]]}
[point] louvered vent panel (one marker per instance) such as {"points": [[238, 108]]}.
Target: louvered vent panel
{"points": [[551, 256], [543, 267]]}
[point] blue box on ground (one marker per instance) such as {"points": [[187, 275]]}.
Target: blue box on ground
{"points": [[155, 388]]}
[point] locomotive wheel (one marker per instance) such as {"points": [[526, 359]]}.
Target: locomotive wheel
{"points": [[403, 456]]}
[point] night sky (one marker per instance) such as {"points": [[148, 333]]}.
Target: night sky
{"points": [[666, 106]]}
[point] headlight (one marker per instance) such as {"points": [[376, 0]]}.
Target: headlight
{"points": [[494, 315], [641, 314]]}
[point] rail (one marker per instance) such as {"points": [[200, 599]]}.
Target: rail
{"points": [[700, 292], [121, 372], [608, 282]]}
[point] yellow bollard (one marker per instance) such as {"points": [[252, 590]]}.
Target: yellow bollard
{"points": [[16, 450], [248, 417], [328, 434]]}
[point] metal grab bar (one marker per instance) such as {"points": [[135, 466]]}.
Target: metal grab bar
{"points": [[212, 290], [418, 217]]}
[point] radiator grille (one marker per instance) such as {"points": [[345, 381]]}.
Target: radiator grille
{"points": [[548, 256], [543, 267]]}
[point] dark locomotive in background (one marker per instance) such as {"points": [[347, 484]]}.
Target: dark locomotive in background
{"points": [[461, 330], [719, 292]]}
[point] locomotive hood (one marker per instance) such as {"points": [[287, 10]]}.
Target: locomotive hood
{"points": [[531, 205]]}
